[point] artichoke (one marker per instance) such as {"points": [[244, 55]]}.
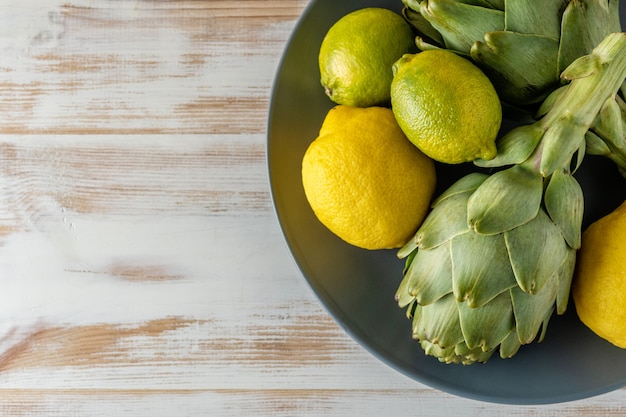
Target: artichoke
{"points": [[495, 256], [522, 45]]}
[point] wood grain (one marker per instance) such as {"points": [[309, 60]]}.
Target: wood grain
{"points": [[142, 270], [105, 67]]}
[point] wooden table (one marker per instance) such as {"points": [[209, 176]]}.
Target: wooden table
{"points": [[142, 270]]}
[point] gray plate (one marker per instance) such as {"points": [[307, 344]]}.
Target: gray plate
{"points": [[357, 286]]}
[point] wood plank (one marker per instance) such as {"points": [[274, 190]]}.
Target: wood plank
{"points": [[280, 403], [105, 67]]}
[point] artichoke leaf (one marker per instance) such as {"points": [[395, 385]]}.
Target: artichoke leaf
{"points": [[580, 154], [438, 323], [416, 315], [595, 145], [549, 101], [544, 325], [408, 249], [480, 268], [536, 250], [429, 276], [584, 24], [496, 4], [562, 139], [413, 4], [510, 345], [459, 354], [450, 19], [539, 17], [531, 310], [446, 355], [409, 260], [507, 199], [447, 220], [510, 59], [468, 183], [565, 274], [423, 45], [414, 17], [610, 125], [486, 327], [470, 356], [514, 147], [403, 297], [564, 202], [582, 67], [480, 3]]}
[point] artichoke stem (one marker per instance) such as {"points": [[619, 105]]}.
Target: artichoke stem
{"points": [[594, 78]]}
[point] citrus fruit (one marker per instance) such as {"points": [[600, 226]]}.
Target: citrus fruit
{"points": [[357, 55], [599, 285], [446, 106], [364, 180]]}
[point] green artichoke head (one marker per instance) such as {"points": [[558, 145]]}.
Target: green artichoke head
{"points": [[472, 293], [522, 45]]}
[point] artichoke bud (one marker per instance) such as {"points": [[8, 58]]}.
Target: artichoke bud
{"points": [[470, 294]]}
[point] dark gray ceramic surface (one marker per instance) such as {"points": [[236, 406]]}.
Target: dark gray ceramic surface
{"points": [[357, 286]]}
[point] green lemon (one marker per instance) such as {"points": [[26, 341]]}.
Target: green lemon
{"points": [[357, 55], [446, 106]]}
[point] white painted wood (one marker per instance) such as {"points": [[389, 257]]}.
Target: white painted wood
{"points": [[139, 254]]}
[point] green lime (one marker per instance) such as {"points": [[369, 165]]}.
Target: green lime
{"points": [[357, 55], [446, 106]]}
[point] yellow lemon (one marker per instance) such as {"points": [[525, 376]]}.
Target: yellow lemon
{"points": [[446, 106], [599, 286], [357, 55], [365, 181]]}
